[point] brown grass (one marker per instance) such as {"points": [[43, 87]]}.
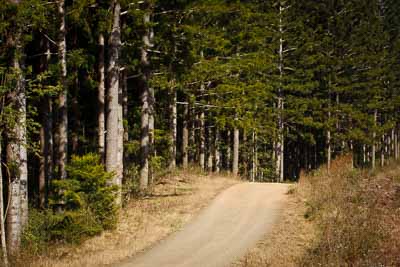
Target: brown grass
{"points": [[357, 214], [143, 222], [346, 217]]}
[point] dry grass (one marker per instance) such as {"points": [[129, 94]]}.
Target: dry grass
{"points": [[288, 241], [358, 217], [343, 218], [143, 222]]}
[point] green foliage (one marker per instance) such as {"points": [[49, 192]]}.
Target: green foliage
{"points": [[87, 187], [82, 206]]}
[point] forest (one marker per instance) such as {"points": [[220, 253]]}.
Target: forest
{"points": [[100, 98]]}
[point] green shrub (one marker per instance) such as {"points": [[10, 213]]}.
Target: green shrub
{"points": [[87, 188], [82, 207]]}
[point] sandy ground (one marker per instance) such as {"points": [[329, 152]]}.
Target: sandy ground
{"points": [[223, 232]]}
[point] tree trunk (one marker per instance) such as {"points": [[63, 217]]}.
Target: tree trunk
{"points": [[280, 144], [152, 149], [62, 156], [76, 115], [173, 128], [42, 166], [373, 160], [147, 98], [235, 164], [100, 99], [124, 78], [17, 215], [124, 116], [228, 151], [383, 148], [254, 158], [396, 144], [329, 149], [210, 150], [185, 137], [2, 226], [46, 142], [217, 151], [192, 134], [114, 162]]}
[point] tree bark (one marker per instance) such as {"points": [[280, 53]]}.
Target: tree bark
{"points": [[2, 226], [62, 156], [202, 142], [235, 164], [124, 116], [17, 215], [280, 142], [76, 115], [173, 127], [210, 153], [100, 99], [147, 98], [217, 151], [114, 162], [185, 137], [46, 141], [396, 144], [228, 151], [373, 160], [254, 158]]}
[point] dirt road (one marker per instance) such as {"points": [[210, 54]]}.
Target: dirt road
{"points": [[233, 223]]}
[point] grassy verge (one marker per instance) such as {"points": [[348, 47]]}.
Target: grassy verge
{"points": [[142, 223], [347, 217], [357, 214]]}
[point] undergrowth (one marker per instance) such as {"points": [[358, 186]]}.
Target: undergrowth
{"points": [[82, 207]]}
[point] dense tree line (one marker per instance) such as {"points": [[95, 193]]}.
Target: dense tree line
{"points": [[262, 89]]}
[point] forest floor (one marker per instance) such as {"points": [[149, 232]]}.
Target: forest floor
{"points": [[174, 201]]}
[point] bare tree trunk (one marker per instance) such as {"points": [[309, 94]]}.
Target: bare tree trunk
{"points": [[147, 98], [192, 133], [124, 78], [328, 135], [185, 137], [280, 144], [13, 216], [254, 158], [100, 99], [2, 226], [396, 144], [383, 148], [210, 153], [173, 128], [42, 165], [62, 156], [364, 154], [114, 162], [124, 116], [76, 115], [217, 151], [373, 160], [228, 151], [152, 148], [235, 164], [17, 215]]}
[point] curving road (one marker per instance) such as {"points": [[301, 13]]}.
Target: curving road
{"points": [[221, 233]]}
